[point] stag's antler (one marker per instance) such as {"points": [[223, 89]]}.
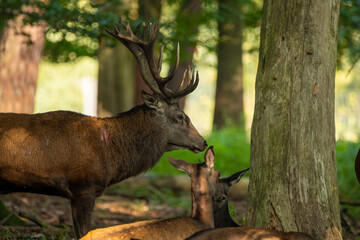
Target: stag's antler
{"points": [[143, 51]]}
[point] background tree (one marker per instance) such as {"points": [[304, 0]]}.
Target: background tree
{"points": [[349, 31], [116, 85], [72, 30], [20, 54], [186, 29], [232, 17], [229, 101], [149, 10], [293, 182]]}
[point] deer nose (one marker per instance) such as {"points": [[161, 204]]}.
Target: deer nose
{"points": [[205, 144]]}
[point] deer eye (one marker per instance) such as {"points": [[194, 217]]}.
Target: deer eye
{"points": [[180, 118]]}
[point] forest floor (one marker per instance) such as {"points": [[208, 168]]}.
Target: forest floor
{"points": [[136, 199], [133, 200]]}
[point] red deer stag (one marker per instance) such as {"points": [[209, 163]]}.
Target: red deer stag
{"points": [[206, 196], [68, 154]]}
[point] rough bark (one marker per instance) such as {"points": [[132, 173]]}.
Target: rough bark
{"points": [[20, 56], [229, 102], [293, 183]]}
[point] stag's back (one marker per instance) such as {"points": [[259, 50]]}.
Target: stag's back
{"points": [[51, 149]]}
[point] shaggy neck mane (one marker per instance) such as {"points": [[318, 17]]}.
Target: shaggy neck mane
{"points": [[136, 141]]}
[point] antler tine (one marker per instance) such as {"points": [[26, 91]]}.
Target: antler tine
{"points": [[160, 58], [190, 87], [145, 29], [186, 76], [175, 68], [143, 49], [137, 29], [130, 35]]}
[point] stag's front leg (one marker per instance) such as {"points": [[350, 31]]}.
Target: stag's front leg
{"points": [[82, 206]]}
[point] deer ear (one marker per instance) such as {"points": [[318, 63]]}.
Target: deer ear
{"points": [[233, 179], [181, 165], [210, 157], [153, 101]]}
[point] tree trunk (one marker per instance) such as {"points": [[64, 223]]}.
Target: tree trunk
{"points": [[116, 86], [116, 79], [293, 183], [187, 20], [20, 56], [229, 104]]}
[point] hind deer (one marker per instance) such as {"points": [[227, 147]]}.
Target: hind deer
{"points": [[227, 228], [207, 196], [75, 156]]}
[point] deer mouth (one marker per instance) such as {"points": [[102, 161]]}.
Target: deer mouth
{"points": [[192, 148]]}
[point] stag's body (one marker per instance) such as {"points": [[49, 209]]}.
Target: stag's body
{"points": [[75, 156], [62, 152]]}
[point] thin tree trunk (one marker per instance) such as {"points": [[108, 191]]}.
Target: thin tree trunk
{"points": [[20, 57], [116, 86], [293, 181], [229, 104], [187, 19]]}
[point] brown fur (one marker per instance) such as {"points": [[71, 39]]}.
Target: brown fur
{"points": [[245, 233], [75, 156], [203, 183]]}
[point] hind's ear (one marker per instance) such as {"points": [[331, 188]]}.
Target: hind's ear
{"points": [[181, 165], [153, 101], [210, 157], [233, 179]]}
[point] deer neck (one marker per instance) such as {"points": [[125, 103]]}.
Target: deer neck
{"points": [[135, 142], [202, 207], [222, 217]]}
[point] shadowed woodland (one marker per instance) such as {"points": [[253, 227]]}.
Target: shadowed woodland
{"points": [[277, 91]]}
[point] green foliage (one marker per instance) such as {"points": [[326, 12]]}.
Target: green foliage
{"points": [[14, 220], [349, 31], [73, 27], [6, 233], [349, 188], [231, 147]]}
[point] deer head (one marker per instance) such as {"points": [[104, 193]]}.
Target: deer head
{"points": [[204, 180], [163, 101], [222, 217]]}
